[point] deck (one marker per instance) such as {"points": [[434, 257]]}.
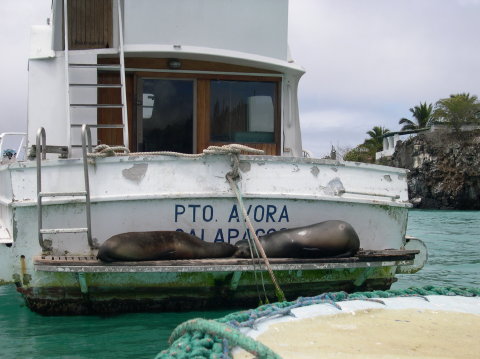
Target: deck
{"points": [[89, 264]]}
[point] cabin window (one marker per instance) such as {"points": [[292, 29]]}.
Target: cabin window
{"points": [[165, 114], [242, 111]]}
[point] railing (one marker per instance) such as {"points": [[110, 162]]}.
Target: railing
{"points": [[307, 154]]}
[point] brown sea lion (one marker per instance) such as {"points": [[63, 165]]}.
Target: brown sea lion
{"points": [[145, 246], [325, 239]]}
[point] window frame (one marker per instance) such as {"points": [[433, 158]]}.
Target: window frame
{"points": [[204, 132]]}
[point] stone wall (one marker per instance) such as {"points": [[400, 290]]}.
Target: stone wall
{"points": [[444, 169]]}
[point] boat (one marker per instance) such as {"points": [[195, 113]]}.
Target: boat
{"points": [[428, 322], [180, 116]]}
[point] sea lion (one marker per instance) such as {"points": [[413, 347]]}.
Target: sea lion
{"points": [[145, 246], [325, 239]]}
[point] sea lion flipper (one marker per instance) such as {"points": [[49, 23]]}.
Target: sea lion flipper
{"points": [[106, 258], [345, 254]]}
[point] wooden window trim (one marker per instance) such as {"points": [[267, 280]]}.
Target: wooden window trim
{"points": [[269, 148], [202, 95]]}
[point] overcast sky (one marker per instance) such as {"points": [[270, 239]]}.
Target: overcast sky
{"points": [[367, 61]]}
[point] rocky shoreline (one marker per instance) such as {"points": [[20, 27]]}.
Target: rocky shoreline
{"points": [[444, 169]]}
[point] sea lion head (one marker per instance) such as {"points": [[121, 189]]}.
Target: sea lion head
{"points": [[242, 250]]}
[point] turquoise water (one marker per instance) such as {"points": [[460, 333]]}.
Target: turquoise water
{"points": [[453, 239], [453, 242]]}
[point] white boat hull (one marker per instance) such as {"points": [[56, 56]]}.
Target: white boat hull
{"points": [[192, 195]]}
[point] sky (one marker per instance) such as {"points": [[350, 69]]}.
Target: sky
{"points": [[367, 62]]}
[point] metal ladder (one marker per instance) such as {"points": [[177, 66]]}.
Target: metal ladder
{"points": [[41, 155], [78, 66]]}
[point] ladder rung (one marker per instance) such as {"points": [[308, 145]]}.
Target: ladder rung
{"points": [[97, 66], [61, 194], [98, 85], [63, 230], [95, 105]]}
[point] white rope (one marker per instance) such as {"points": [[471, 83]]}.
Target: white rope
{"points": [[107, 151], [232, 177], [234, 148]]}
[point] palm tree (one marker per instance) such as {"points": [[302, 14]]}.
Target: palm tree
{"points": [[422, 117], [365, 152], [458, 110], [375, 142]]}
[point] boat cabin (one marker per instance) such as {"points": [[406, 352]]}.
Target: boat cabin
{"points": [[163, 75]]}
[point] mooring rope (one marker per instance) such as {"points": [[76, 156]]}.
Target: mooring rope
{"points": [[201, 338], [233, 177], [234, 174], [258, 245]]}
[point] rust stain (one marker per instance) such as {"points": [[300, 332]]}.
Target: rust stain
{"points": [[23, 270]]}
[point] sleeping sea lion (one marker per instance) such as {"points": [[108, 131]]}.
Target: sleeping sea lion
{"points": [[146, 246], [325, 239]]}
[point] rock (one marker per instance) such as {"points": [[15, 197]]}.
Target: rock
{"points": [[444, 169]]}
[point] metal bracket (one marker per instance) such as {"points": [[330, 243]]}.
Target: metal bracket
{"points": [[82, 280], [363, 277], [235, 280]]}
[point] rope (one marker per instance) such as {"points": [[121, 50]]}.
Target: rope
{"points": [[232, 177], [109, 151], [199, 338], [258, 245], [250, 317], [232, 148]]}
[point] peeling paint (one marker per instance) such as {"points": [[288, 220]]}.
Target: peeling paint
{"points": [[245, 166], [334, 187], [136, 172], [388, 178], [296, 168], [315, 171], [334, 169]]}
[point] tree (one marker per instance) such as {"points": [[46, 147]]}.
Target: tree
{"points": [[422, 115], [367, 150], [361, 153], [457, 110], [375, 142]]}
